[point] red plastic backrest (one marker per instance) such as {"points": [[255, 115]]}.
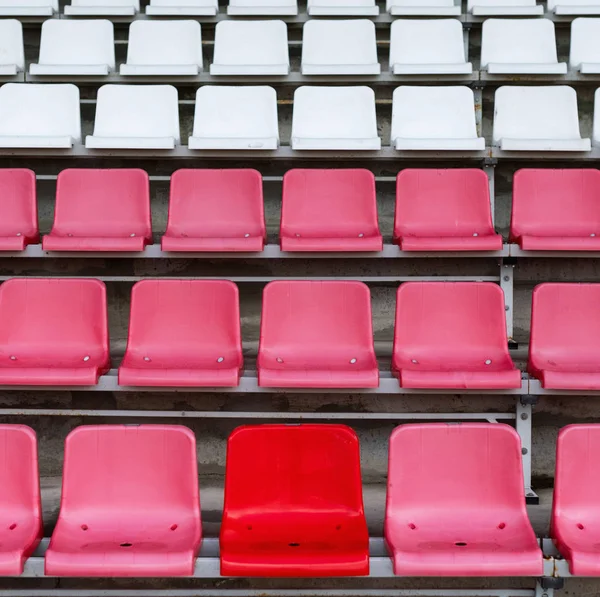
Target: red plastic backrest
{"points": [[185, 321], [446, 468], [556, 202], [108, 203], [18, 207], [216, 203], [138, 472], [449, 323], [444, 202], [565, 323], [53, 322], [329, 203], [315, 322]]}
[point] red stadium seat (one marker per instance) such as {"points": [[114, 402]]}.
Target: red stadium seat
{"points": [[216, 210], [293, 503], [575, 526], [129, 503], [20, 505], [101, 210], [444, 210], [452, 335], [317, 335], [183, 333], [53, 332], [565, 326], [456, 502], [18, 209], [556, 210], [329, 210]]}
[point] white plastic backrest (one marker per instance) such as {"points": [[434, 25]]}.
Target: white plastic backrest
{"points": [[433, 113], [420, 3], [11, 46], [585, 48], [518, 41], [225, 112], [331, 113], [339, 43], [263, 7], [165, 43], [32, 110], [427, 41], [137, 111], [503, 3], [72, 42], [135, 4], [29, 3], [251, 44], [553, 4], [175, 7], [548, 112], [342, 7]]}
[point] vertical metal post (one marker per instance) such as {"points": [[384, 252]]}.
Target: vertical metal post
{"points": [[478, 96], [466, 42], [523, 426], [490, 171], [506, 283]]}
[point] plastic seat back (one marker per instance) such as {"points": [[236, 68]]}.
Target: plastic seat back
{"points": [[20, 501], [101, 210], [293, 503], [574, 7], [28, 8], [354, 8], [90, 8], [42, 115], [18, 209], [262, 7], [513, 8], [424, 8], [167, 48], [444, 210], [215, 210], [12, 52], [584, 51], [70, 47], [183, 7], [329, 210], [556, 209], [565, 324], [317, 334]]}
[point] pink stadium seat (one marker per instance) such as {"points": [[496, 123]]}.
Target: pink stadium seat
{"points": [[18, 209], [565, 326], [317, 334], [101, 210], [183, 333], [20, 505], [293, 503], [556, 210], [575, 526], [53, 332], [444, 210], [452, 335], [456, 502], [129, 503], [329, 210], [216, 210]]}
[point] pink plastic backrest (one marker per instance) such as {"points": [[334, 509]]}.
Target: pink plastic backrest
{"points": [[444, 324], [18, 207], [188, 322], [53, 322], [329, 203], [312, 323], [109, 203], [557, 202], [216, 203], [433, 203]]}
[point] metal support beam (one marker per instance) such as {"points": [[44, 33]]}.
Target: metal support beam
{"points": [[490, 171], [507, 285], [523, 427]]}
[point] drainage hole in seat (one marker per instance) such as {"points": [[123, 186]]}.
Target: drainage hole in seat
{"points": [[84, 527], [173, 527], [580, 526], [502, 526], [338, 527], [460, 544], [294, 544], [13, 526], [126, 544]]}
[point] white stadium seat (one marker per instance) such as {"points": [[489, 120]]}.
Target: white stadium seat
{"points": [[135, 117], [44, 116], [71, 47], [341, 118], [520, 46], [332, 47], [504, 8], [585, 49], [537, 119], [90, 8], [434, 118], [235, 118], [12, 55], [251, 48], [28, 8], [574, 7], [167, 48], [423, 8], [342, 8], [183, 8], [262, 7], [428, 47]]}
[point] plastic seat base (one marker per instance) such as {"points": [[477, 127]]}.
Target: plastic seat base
{"points": [[465, 380]]}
